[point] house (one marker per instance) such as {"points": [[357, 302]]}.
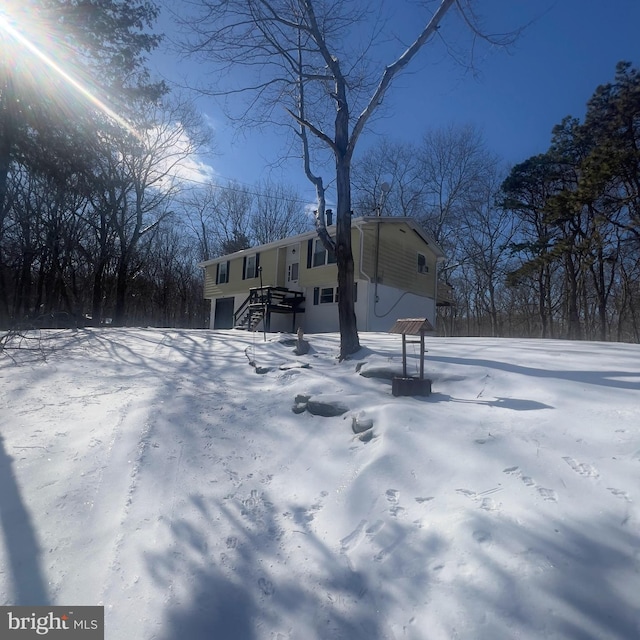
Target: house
{"points": [[292, 282]]}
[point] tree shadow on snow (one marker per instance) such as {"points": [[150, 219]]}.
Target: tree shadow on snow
{"points": [[259, 580], [554, 578], [514, 404], [22, 549], [601, 378]]}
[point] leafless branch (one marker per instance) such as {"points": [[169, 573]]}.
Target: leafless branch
{"points": [[393, 69]]}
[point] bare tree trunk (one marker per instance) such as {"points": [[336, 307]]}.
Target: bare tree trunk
{"points": [[121, 292], [349, 342], [574, 331], [542, 305], [7, 125], [549, 303], [97, 294]]}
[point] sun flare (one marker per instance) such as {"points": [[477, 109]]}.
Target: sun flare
{"points": [[16, 31]]}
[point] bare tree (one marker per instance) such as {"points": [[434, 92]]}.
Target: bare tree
{"points": [[278, 213], [453, 162], [487, 238], [388, 181], [302, 55], [219, 216], [141, 176]]}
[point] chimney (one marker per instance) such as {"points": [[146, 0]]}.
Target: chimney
{"points": [[329, 216]]}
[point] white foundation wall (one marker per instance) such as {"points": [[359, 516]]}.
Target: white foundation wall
{"points": [[319, 318], [393, 304], [371, 316], [323, 318]]}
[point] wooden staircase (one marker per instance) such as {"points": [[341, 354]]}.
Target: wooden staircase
{"points": [[262, 302]]}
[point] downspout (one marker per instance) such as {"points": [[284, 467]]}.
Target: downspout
{"points": [[439, 261], [361, 271], [435, 285], [385, 187], [375, 264]]}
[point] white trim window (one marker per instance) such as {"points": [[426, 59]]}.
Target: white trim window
{"points": [[331, 295], [222, 273], [250, 269], [327, 295], [319, 256], [250, 266], [292, 272], [423, 265]]}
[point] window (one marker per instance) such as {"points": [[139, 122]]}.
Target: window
{"points": [[222, 273], [293, 272], [423, 267], [355, 292], [250, 267], [318, 256], [328, 295]]}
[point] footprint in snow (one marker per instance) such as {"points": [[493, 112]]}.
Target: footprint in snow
{"points": [[582, 468], [266, 586], [489, 505], [548, 494], [618, 493], [354, 538], [516, 473], [358, 534], [374, 529], [390, 548], [481, 536], [393, 498]]}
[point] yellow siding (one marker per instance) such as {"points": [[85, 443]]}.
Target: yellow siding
{"points": [[397, 263], [318, 275], [328, 274], [236, 285], [398, 258], [269, 264]]}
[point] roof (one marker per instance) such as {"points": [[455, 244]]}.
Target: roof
{"points": [[355, 222], [411, 326]]}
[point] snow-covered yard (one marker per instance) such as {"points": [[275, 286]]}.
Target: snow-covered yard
{"points": [[155, 472]]}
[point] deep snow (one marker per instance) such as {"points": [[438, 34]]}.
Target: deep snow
{"points": [[155, 472]]}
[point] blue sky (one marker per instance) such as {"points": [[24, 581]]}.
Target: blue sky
{"points": [[514, 96]]}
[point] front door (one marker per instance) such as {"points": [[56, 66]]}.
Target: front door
{"points": [[292, 275]]}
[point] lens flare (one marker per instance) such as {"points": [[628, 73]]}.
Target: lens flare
{"points": [[7, 27]]}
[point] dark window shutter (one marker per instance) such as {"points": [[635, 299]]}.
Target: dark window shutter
{"points": [[355, 292], [257, 263], [218, 273], [316, 295], [228, 267], [309, 253], [244, 267]]}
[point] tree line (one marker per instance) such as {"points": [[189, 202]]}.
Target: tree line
{"points": [[106, 221], [103, 218], [546, 248]]}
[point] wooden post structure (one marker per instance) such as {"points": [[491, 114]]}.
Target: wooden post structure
{"points": [[409, 385]]}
